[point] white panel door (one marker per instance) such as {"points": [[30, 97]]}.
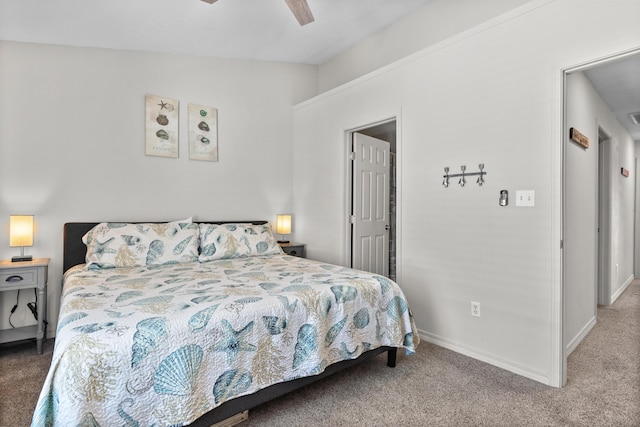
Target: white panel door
{"points": [[370, 210]]}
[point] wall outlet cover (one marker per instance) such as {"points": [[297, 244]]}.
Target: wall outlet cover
{"points": [[525, 198]]}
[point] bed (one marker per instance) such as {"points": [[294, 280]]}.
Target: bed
{"points": [[184, 323]]}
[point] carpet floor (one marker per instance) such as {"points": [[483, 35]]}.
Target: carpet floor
{"points": [[433, 387]]}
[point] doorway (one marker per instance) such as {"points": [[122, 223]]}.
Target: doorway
{"points": [[604, 229], [598, 193], [370, 253]]}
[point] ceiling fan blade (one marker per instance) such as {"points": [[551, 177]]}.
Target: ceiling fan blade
{"points": [[210, 1], [300, 10]]}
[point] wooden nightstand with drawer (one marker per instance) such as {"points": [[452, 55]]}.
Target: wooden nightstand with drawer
{"points": [[294, 249], [26, 275]]}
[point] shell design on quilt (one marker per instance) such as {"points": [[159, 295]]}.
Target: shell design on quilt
{"points": [[408, 340], [131, 240], [306, 345], [115, 277], [156, 249], [128, 295], [333, 332], [397, 307], [200, 320], [361, 318], [209, 250], [160, 299], [46, 411], [274, 324], [262, 247], [116, 224], [93, 327], [71, 318], [149, 333], [268, 285], [385, 284], [297, 288], [248, 300], [345, 353], [176, 374], [231, 383], [344, 293], [117, 314], [207, 298], [208, 282], [326, 306], [180, 247]]}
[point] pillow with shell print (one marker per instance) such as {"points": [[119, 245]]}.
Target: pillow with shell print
{"points": [[222, 241], [114, 245]]}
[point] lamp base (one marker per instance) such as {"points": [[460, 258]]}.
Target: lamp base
{"points": [[21, 258], [283, 241]]}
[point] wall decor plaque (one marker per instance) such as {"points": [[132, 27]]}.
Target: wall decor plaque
{"points": [[161, 117], [203, 133], [578, 137]]}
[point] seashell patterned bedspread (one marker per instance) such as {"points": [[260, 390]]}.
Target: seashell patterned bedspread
{"points": [[162, 345]]}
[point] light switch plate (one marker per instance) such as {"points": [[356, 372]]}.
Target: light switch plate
{"points": [[525, 198]]}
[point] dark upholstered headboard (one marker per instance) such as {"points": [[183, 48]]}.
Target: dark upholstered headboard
{"points": [[74, 250]]}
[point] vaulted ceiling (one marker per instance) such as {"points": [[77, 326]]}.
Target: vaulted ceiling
{"points": [[250, 29], [247, 29]]}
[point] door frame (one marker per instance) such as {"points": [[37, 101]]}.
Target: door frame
{"points": [[558, 368], [603, 293], [348, 136]]}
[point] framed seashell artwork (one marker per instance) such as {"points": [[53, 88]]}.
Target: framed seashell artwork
{"points": [[161, 133], [203, 133]]}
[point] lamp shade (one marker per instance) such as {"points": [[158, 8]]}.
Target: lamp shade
{"points": [[20, 230], [283, 224]]}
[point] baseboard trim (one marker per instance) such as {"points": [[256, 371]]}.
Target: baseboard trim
{"points": [[622, 288], [491, 359], [580, 336]]}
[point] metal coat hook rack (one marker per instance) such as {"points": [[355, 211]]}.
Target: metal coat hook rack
{"points": [[463, 180]]}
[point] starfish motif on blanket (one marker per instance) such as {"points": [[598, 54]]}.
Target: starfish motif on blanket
{"points": [[103, 248], [233, 341]]}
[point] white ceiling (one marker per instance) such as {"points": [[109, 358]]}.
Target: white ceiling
{"points": [[618, 83], [250, 29], [245, 29]]}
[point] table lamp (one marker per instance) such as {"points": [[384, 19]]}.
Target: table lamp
{"points": [[21, 234], [283, 226]]}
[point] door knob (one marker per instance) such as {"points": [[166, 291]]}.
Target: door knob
{"points": [[387, 227]]}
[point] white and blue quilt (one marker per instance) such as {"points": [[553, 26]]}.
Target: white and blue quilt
{"points": [[161, 345]]}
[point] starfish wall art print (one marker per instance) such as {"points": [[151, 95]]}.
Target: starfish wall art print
{"points": [[161, 136]]}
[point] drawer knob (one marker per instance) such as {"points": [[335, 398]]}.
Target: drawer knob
{"points": [[293, 252], [15, 278]]}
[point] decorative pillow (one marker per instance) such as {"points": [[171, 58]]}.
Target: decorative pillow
{"points": [[111, 244], [218, 241]]}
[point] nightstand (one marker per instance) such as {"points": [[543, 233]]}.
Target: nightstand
{"points": [[293, 249], [26, 275]]}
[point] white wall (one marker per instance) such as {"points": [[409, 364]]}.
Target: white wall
{"points": [[434, 22], [586, 111], [72, 143], [490, 95]]}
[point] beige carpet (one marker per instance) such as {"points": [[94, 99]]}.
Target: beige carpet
{"points": [[434, 387]]}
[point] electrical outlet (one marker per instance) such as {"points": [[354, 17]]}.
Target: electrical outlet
{"points": [[475, 309]]}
